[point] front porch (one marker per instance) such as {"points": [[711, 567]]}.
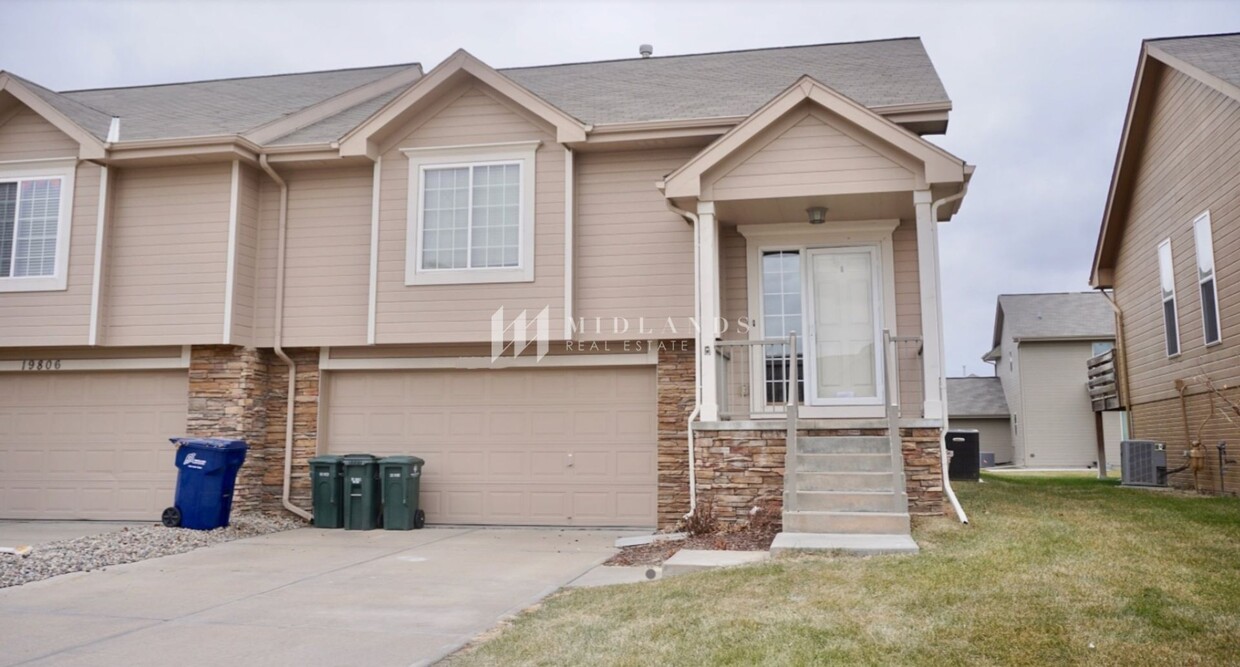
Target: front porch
{"points": [[820, 356]]}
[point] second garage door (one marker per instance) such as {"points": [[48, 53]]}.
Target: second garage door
{"points": [[518, 447], [89, 445]]}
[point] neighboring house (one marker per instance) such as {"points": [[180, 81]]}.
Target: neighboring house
{"points": [[1169, 249], [977, 403], [397, 237], [1040, 348]]}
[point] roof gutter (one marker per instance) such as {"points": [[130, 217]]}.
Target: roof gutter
{"points": [[938, 285], [279, 334]]}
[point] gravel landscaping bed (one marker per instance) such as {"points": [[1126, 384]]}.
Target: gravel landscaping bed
{"points": [[129, 545]]}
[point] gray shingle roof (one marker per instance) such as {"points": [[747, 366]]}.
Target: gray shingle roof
{"points": [[221, 107], [976, 397], [736, 83], [333, 127], [1064, 315], [1215, 54], [92, 120]]}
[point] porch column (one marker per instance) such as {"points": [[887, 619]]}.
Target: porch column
{"points": [[707, 230], [931, 308]]}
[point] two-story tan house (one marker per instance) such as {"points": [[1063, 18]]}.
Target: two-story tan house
{"points": [[1169, 249], [355, 260]]}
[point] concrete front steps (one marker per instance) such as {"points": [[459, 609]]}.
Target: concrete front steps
{"points": [[848, 499]]}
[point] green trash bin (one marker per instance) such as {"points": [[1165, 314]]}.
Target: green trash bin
{"points": [[401, 476], [361, 492], [327, 491]]}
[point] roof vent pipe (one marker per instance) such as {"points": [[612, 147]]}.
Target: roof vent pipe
{"points": [[646, 50]]}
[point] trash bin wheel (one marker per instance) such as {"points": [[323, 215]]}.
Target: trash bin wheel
{"points": [[419, 519], [171, 517]]}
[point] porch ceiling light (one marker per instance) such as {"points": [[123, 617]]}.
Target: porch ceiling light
{"points": [[817, 214]]}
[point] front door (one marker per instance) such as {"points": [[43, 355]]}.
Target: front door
{"points": [[844, 304]]}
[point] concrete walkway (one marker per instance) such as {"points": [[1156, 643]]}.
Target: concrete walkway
{"points": [[14, 532], [303, 597]]}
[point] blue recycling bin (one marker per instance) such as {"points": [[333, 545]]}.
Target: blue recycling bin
{"points": [[206, 474]]}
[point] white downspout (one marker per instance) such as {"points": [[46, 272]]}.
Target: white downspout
{"points": [[697, 365], [938, 285], [279, 334]]}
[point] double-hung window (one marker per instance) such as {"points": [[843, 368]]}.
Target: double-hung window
{"points": [[1207, 286], [1166, 279], [471, 214], [34, 227]]}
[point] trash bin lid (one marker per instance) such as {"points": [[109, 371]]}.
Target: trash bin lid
{"points": [[212, 443], [327, 458], [401, 460], [352, 459]]}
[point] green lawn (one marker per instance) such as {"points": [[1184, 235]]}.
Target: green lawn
{"points": [[1053, 570]]}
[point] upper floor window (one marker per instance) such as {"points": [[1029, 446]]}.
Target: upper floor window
{"points": [[471, 214], [1166, 279], [1204, 239], [1101, 347], [34, 226]]}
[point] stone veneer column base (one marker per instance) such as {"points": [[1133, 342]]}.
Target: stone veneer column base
{"points": [[923, 471], [675, 379], [240, 392]]}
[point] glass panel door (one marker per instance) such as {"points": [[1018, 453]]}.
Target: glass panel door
{"points": [[845, 367]]}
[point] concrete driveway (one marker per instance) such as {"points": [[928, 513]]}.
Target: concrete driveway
{"points": [[303, 597], [16, 532]]}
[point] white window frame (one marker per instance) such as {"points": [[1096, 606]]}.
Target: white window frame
{"points": [[44, 169], [1168, 258], [445, 157], [1203, 230]]}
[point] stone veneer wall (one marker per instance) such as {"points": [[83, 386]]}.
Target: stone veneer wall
{"points": [[305, 428], [675, 379], [739, 470], [227, 399], [240, 392]]}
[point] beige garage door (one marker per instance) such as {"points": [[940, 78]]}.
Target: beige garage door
{"points": [[89, 445], [570, 447]]}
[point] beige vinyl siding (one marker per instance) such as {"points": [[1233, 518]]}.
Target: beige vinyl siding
{"points": [[327, 261], [908, 315], [995, 435], [808, 152], [60, 317], [27, 136], [1059, 423], [734, 281], [634, 257], [450, 313], [1009, 377], [168, 241], [245, 276], [1190, 164]]}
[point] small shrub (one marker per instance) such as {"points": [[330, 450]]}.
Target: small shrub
{"points": [[702, 521], [766, 517]]}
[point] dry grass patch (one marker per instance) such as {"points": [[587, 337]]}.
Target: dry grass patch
{"points": [[1054, 570]]}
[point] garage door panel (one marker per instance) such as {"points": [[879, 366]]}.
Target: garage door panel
{"points": [[517, 446], [89, 445]]}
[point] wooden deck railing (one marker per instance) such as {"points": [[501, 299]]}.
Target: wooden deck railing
{"points": [[1103, 383]]}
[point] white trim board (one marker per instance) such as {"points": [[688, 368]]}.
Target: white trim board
{"points": [[326, 363], [230, 272], [569, 214], [373, 303], [115, 364], [96, 285]]}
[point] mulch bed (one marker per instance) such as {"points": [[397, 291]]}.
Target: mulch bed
{"points": [[657, 552]]}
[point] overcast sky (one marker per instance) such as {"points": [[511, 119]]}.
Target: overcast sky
{"points": [[1039, 89]]}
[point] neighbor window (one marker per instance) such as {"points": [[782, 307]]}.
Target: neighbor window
{"points": [[1166, 278], [1205, 278], [34, 229], [471, 214], [1101, 347]]}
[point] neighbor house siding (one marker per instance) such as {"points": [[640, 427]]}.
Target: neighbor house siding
{"points": [[1008, 369], [168, 241], [995, 435], [27, 136], [1060, 428], [1190, 164], [634, 257], [60, 317], [808, 152], [443, 313], [327, 258]]}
